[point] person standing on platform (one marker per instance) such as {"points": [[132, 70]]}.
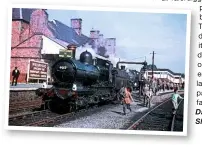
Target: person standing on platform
{"points": [[15, 75], [148, 94], [175, 97], [154, 86], [127, 100]]}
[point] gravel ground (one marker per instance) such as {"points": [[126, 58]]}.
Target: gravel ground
{"points": [[111, 118]]}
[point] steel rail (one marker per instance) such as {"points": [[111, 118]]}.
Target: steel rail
{"points": [[141, 119]]}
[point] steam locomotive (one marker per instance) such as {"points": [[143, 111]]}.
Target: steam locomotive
{"points": [[83, 83]]}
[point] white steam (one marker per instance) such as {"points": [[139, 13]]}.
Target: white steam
{"points": [[111, 58]]}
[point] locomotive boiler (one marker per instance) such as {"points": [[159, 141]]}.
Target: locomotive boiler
{"points": [[69, 71]]}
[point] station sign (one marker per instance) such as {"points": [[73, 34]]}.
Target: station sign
{"points": [[38, 70]]}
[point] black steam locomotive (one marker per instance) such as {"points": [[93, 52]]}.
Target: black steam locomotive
{"points": [[84, 82]]}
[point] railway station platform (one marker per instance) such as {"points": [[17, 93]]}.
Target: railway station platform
{"points": [[30, 86], [34, 86]]}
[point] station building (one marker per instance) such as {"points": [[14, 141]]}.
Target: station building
{"points": [[35, 37]]}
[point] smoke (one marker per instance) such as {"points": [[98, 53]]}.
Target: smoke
{"points": [[111, 58], [115, 59]]}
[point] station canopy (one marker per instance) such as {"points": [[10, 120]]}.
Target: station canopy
{"points": [[52, 45]]}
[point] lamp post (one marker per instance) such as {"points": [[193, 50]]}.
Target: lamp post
{"points": [[153, 64]]}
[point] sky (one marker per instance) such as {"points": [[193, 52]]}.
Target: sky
{"points": [[137, 34]]}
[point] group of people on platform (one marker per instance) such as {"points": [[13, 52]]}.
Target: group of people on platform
{"points": [[159, 85], [148, 91]]}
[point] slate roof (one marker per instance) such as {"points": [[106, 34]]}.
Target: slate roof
{"points": [[60, 31], [67, 34]]}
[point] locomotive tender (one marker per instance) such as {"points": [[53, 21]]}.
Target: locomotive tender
{"points": [[84, 82]]}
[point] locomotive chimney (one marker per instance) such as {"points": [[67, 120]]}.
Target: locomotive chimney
{"points": [[122, 67]]}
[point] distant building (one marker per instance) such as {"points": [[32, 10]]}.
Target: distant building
{"points": [[164, 74], [103, 46]]}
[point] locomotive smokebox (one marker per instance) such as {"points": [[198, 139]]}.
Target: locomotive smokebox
{"points": [[123, 67], [86, 58], [72, 48]]}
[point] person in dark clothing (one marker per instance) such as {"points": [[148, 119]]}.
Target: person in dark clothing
{"points": [[15, 75]]}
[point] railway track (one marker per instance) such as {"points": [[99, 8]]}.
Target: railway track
{"points": [[160, 118]]}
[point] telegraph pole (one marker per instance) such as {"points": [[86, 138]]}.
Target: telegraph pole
{"points": [[153, 64]]}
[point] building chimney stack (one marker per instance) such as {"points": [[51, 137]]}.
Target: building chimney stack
{"points": [[94, 34], [110, 44], [76, 24]]}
